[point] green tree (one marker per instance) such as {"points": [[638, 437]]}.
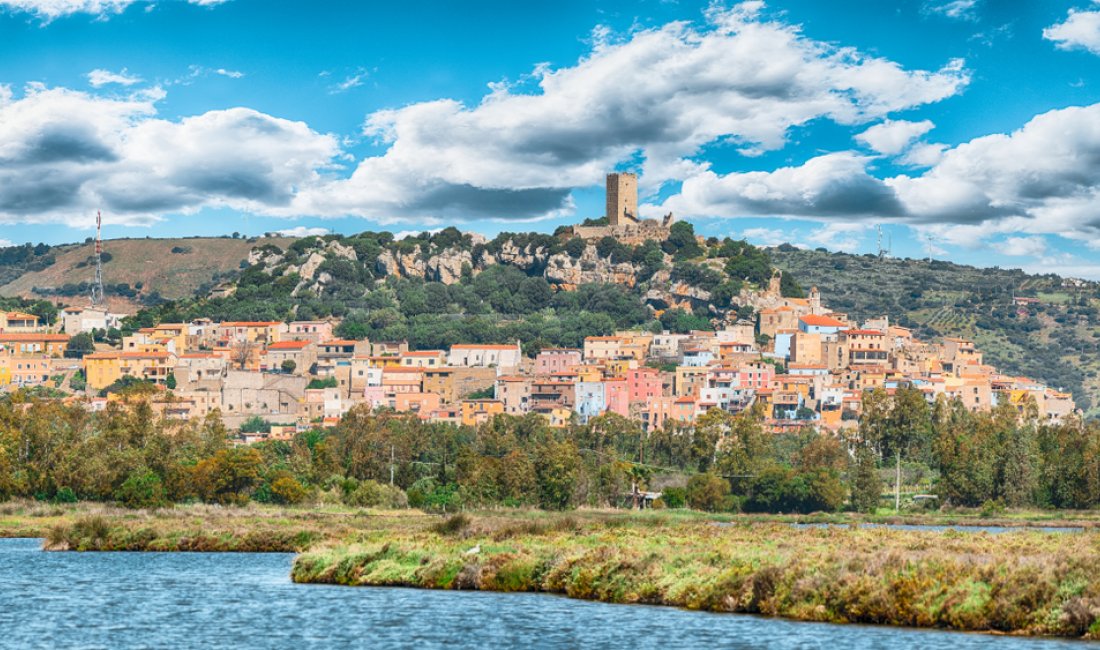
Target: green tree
{"points": [[170, 381], [80, 345], [556, 468], [708, 492], [286, 490], [143, 488], [288, 365], [865, 481]]}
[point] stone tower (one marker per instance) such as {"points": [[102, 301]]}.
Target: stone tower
{"points": [[815, 301], [622, 198]]}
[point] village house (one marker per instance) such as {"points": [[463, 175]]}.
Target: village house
{"points": [[478, 411], [514, 391], [30, 344], [455, 383], [293, 357], [75, 320], [311, 330], [505, 358], [551, 360], [17, 321]]}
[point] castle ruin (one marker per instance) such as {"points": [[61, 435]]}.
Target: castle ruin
{"points": [[623, 222]]}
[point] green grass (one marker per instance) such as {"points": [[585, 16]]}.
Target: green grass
{"points": [[1025, 582]]}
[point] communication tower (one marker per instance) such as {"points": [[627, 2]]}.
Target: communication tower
{"points": [[97, 285]]}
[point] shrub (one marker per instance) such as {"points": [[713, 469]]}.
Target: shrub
{"points": [[287, 490], [452, 525], [65, 495], [674, 497], [372, 494], [707, 492], [142, 489]]}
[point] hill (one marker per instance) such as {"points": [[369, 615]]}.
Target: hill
{"points": [[449, 287], [438, 289], [136, 272], [1042, 326]]}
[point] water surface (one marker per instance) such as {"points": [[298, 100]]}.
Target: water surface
{"points": [[225, 600]]}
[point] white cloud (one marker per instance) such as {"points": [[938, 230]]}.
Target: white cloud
{"points": [[845, 237], [232, 74], [835, 185], [349, 82], [923, 154], [405, 234], [765, 236], [659, 96], [957, 9], [1043, 178], [891, 137], [49, 10], [1022, 246], [1080, 30], [65, 153], [302, 231], [100, 77]]}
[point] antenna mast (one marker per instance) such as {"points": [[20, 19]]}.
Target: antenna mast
{"points": [[884, 252], [97, 285]]}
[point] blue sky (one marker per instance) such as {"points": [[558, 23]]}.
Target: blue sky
{"points": [[966, 127]]}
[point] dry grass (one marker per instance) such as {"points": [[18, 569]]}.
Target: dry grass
{"points": [[149, 261], [1025, 582]]}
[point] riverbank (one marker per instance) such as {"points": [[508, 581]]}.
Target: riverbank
{"points": [[192, 528], [1028, 582]]}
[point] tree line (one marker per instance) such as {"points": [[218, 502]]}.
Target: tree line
{"points": [[725, 462]]}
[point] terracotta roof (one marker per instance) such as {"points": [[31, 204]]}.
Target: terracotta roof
{"points": [[424, 353], [32, 336], [288, 345], [863, 332], [248, 323], [818, 320], [339, 342], [21, 315]]}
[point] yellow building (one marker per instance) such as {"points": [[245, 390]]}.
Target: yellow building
{"points": [[477, 411], [24, 344], [264, 332], [104, 368], [17, 321]]}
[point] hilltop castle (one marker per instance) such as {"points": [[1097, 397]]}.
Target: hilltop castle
{"points": [[623, 222]]}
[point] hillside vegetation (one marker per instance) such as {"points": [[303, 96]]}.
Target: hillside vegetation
{"points": [[439, 289], [135, 271], [1056, 340]]}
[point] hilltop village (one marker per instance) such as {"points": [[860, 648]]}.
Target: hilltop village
{"points": [[798, 361]]}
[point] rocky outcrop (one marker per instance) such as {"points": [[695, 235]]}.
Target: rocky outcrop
{"points": [[567, 272], [447, 266], [405, 265]]}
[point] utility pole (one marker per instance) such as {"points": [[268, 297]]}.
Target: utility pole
{"points": [[391, 465], [97, 285]]}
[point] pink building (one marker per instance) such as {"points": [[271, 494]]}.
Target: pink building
{"points": [[643, 384], [755, 375], [617, 396], [553, 360], [660, 410]]}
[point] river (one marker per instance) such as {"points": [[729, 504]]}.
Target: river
{"points": [[226, 600]]}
